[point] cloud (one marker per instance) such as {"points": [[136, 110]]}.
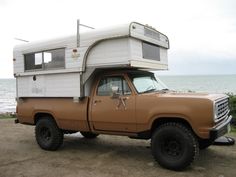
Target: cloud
{"points": [[3, 2]]}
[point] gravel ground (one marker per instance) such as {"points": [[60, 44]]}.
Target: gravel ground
{"points": [[106, 156]]}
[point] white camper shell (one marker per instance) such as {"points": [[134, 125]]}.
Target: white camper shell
{"points": [[61, 67]]}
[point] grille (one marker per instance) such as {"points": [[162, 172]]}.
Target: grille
{"points": [[221, 109]]}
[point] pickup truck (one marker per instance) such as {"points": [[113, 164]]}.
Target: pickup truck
{"points": [[133, 103]]}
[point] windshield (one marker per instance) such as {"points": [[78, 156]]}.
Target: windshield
{"points": [[145, 83]]}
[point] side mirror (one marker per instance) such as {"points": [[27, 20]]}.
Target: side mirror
{"points": [[115, 93]]}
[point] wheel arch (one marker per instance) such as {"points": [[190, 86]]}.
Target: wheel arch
{"points": [[41, 114], [158, 121], [161, 120], [178, 119]]}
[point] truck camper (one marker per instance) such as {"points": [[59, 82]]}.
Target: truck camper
{"points": [[100, 82]]}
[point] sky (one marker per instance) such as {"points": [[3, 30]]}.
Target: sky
{"points": [[202, 33]]}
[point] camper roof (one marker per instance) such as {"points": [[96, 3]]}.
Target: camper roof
{"points": [[132, 29]]}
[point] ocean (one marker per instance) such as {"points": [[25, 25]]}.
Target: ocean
{"points": [[199, 83], [7, 95], [202, 83]]}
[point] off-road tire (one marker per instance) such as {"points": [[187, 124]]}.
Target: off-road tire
{"points": [[48, 135], [89, 135], [174, 146], [205, 143]]}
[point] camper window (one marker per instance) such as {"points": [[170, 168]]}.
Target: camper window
{"points": [[33, 61], [151, 51], [45, 60], [54, 58]]}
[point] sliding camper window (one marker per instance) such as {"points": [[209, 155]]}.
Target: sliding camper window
{"points": [[151, 51], [45, 60]]}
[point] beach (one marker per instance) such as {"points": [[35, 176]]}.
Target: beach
{"points": [[105, 156]]}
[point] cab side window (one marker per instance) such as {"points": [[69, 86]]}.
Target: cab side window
{"points": [[107, 83]]}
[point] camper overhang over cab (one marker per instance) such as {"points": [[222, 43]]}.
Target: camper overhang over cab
{"points": [[62, 67]]}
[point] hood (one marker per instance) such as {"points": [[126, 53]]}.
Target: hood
{"points": [[213, 97]]}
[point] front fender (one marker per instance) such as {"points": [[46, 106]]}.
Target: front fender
{"points": [[195, 111], [172, 117]]}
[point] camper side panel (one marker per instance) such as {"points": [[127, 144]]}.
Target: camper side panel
{"points": [[18, 62], [109, 53], [72, 60], [137, 57], [49, 85]]}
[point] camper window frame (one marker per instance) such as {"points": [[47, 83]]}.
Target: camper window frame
{"points": [[43, 64]]}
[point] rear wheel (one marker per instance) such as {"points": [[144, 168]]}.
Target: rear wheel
{"points": [[174, 146], [48, 135], [89, 135]]}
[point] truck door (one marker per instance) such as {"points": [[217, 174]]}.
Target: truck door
{"points": [[113, 105]]}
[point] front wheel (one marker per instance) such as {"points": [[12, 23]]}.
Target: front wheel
{"points": [[48, 135], [174, 146]]}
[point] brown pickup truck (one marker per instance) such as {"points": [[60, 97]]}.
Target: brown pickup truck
{"points": [[136, 104]]}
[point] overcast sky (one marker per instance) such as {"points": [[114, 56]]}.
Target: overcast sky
{"points": [[202, 33]]}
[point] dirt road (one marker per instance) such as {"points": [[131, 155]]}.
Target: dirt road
{"points": [[106, 156]]}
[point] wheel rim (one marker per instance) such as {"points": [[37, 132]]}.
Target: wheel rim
{"points": [[45, 134], [172, 147]]}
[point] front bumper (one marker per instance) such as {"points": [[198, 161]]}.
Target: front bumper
{"points": [[220, 129]]}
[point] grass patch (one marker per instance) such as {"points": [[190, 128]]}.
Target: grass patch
{"points": [[233, 129], [232, 104], [232, 107], [7, 116]]}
